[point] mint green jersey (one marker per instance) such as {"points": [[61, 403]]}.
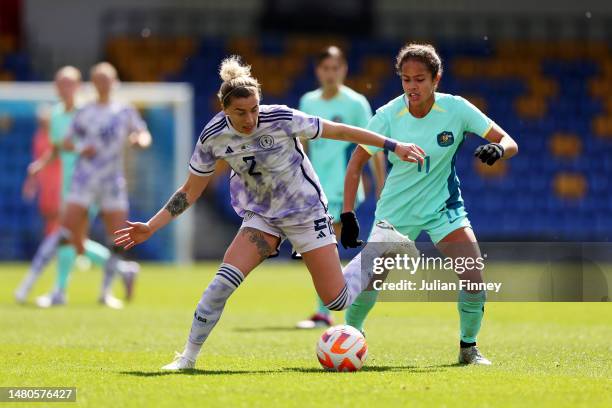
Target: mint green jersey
{"points": [[330, 157], [414, 193], [58, 129]]}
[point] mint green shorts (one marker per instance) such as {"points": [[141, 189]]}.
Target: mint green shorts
{"points": [[438, 226]]}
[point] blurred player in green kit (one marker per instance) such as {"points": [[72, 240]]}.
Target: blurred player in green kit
{"points": [[339, 103], [67, 83]]}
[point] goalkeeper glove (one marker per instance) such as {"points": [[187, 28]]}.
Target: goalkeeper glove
{"points": [[489, 153], [349, 236]]}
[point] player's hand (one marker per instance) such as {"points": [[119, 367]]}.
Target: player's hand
{"points": [[135, 233], [29, 189], [410, 152], [489, 153], [349, 235], [33, 169], [140, 139]]}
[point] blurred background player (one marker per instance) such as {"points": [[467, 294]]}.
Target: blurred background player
{"points": [[427, 197], [46, 185], [99, 132], [336, 102], [67, 83]]}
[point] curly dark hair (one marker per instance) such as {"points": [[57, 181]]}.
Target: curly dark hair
{"points": [[424, 53]]}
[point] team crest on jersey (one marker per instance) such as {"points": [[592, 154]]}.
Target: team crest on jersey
{"points": [[446, 138], [266, 141]]}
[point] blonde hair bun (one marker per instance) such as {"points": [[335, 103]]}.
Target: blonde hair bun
{"points": [[231, 68]]}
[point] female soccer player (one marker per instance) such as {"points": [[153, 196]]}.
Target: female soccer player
{"points": [[67, 83], [336, 102], [427, 197], [98, 133], [276, 191]]}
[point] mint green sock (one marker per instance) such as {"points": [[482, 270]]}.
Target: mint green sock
{"points": [[66, 255], [356, 314], [96, 252], [471, 311], [321, 309]]}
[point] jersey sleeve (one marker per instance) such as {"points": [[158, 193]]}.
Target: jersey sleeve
{"points": [[135, 121], [202, 161], [378, 123], [305, 126], [474, 120]]}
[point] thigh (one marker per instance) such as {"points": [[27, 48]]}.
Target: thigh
{"points": [[84, 229], [462, 243], [249, 248], [323, 263]]}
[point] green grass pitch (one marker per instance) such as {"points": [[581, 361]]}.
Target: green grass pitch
{"points": [[546, 354]]}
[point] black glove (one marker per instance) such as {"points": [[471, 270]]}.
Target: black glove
{"points": [[349, 235], [489, 153]]}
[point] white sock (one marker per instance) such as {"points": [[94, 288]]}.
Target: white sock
{"points": [[192, 350], [211, 305]]}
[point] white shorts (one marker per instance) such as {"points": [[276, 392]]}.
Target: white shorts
{"points": [[304, 236], [107, 196]]}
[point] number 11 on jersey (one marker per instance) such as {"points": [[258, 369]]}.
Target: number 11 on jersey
{"points": [[426, 160]]}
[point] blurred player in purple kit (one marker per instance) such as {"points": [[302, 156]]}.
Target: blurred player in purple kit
{"points": [[67, 82]]}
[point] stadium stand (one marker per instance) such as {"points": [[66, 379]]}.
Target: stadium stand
{"points": [[552, 97]]}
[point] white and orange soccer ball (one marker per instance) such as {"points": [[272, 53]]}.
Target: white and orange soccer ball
{"points": [[342, 348]]}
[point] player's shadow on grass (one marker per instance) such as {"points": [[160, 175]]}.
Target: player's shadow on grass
{"points": [[374, 369], [195, 371], [313, 370]]}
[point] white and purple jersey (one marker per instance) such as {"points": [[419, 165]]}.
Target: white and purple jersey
{"points": [[271, 176], [105, 127]]}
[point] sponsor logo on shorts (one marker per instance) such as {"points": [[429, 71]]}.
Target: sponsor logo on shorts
{"points": [[248, 215]]}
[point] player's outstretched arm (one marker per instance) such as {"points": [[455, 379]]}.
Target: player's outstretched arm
{"points": [[187, 194], [405, 151]]}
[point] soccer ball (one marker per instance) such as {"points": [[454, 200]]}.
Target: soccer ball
{"points": [[342, 348]]}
